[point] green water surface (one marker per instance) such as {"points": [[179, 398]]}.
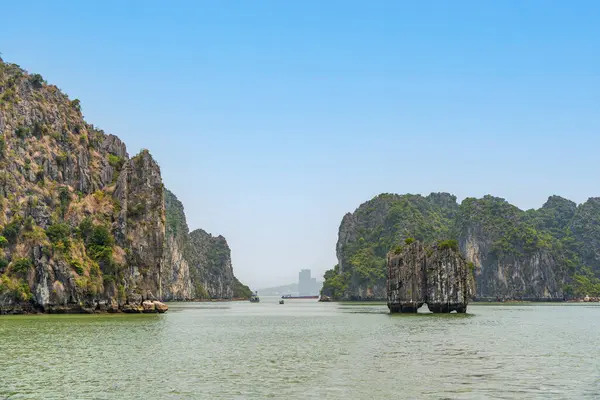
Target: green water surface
{"points": [[304, 349]]}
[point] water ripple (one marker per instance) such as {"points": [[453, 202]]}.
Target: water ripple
{"points": [[304, 349]]}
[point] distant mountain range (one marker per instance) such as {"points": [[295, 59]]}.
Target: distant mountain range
{"points": [[285, 289]]}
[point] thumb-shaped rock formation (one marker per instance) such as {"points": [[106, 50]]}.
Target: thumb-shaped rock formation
{"points": [[407, 285], [437, 275], [448, 283]]}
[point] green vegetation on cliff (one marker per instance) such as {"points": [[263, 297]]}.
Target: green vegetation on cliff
{"points": [[58, 204], [584, 232], [209, 258], [542, 253], [379, 225], [241, 291], [82, 223], [584, 283], [175, 222], [511, 230], [336, 283]]}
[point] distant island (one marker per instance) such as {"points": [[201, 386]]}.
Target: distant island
{"points": [[548, 254]]}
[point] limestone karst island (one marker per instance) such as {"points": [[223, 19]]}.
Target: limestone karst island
{"points": [[545, 254], [437, 275], [85, 226]]}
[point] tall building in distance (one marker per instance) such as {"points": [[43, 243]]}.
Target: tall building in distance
{"points": [[307, 286]]}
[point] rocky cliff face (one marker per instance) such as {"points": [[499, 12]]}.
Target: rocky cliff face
{"points": [[366, 236], [176, 279], [536, 254], [585, 229], [406, 281], [513, 259], [140, 225], [437, 275], [449, 278], [210, 260], [82, 225], [198, 264]]}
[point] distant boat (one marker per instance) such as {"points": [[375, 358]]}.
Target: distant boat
{"points": [[254, 298], [280, 301], [289, 296]]}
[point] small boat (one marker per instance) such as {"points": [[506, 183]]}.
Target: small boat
{"points": [[280, 301], [254, 298]]}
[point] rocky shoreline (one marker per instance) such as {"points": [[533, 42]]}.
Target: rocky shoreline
{"points": [[586, 299], [146, 307]]}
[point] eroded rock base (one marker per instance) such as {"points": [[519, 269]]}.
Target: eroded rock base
{"points": [[405, 308], [447, 308]]}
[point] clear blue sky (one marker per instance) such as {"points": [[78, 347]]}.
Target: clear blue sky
{"points": [[271, 119]]}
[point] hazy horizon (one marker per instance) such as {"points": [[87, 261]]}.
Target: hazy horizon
{"points": [[271, 120]]}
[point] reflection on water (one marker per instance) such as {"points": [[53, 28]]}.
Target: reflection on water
{"points": [[305, 349]]}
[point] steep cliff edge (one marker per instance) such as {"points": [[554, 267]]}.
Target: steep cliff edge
{"points": [[140, 225], [83, 227], [82, 224], [210, 260], [544, 254], [176, 280], [198, 264], [513, 259], [449, 277], [585, 230], [406, 280]]}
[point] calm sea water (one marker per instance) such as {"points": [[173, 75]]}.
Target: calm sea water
{"points": [[304, 349]]}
